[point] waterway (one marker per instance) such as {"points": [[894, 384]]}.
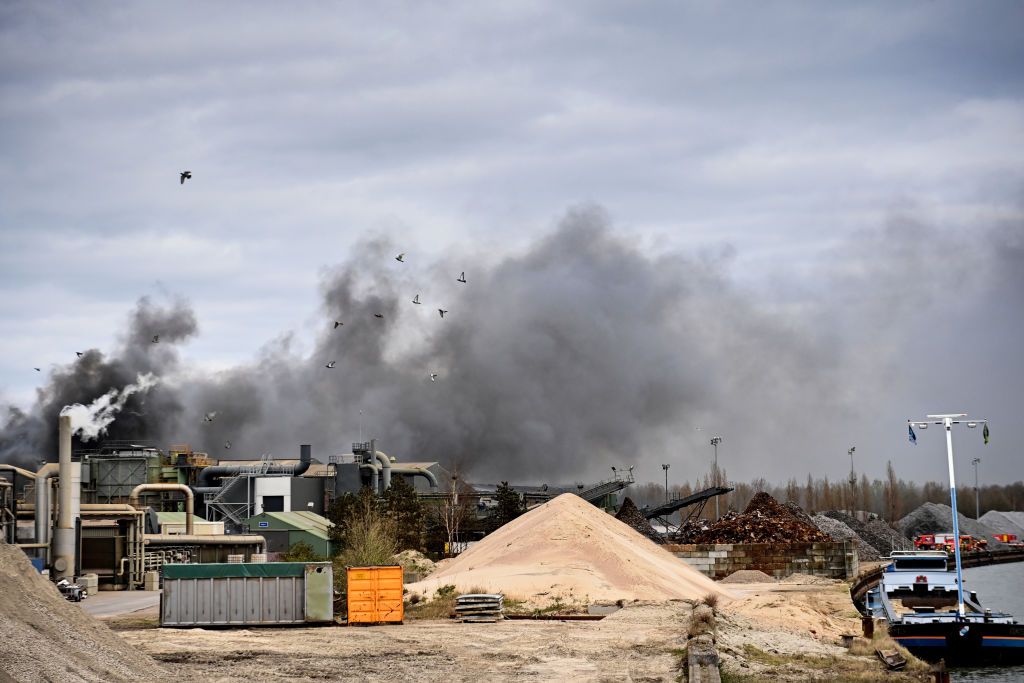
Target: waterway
{"points": [[1001, 588]]}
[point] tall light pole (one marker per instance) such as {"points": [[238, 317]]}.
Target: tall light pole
{"points": [[977, 498], [715, 440], [948, 421], [665, 467], [853, 482]]}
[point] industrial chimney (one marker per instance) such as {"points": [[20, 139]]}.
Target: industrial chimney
{"points": [[70, 485]]}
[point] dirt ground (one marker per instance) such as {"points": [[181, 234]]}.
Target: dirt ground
{"points": [[641, 642], [774, 631]]}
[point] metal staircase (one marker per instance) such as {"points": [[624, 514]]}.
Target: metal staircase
{"points": [[239, 511]]}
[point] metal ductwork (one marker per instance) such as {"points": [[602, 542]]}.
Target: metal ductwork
{"points": [[418, 472], [385, 469], [205, 483], [135, 501]]}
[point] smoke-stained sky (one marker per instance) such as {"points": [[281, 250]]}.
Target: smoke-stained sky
{"points": [[793, 226]]}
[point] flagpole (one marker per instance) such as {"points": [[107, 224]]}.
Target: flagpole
{"points": [[948, 421]]}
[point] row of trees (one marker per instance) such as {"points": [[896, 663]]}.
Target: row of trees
{"points": [[890, 498]]}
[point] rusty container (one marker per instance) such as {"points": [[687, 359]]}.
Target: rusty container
{"points": [[375, 595]]}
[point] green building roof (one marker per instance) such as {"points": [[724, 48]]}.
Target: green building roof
{"points": [[301, 520]]}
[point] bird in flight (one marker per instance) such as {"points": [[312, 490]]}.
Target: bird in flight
{"points": [[441, 311], [79, 354], [416, 299], [378, 315], [462, 277], [209, 416], [433, 377], [37, 370], [337, 324], [185, 175], [330, 365], [156, 338], [401, 257], [227, 444]]}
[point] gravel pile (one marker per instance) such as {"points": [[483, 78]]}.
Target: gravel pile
{"points": [[840, 531], [631, 516], [1004, 522], [875, 533], [932, 518], [47, 638]]}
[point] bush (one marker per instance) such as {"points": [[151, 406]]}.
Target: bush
{"points": [[301, 552]]}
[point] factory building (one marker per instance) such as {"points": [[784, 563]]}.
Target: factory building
{"points": [[284, 529]]}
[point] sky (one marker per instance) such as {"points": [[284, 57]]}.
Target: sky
{"points": [[791, 225]]}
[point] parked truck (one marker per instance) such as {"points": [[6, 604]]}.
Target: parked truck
{"points": [[945, 542]]}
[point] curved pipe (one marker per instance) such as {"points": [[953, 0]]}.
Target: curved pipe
{"points": [[43, 476], [15, 468], [205, 481], [418, 472], [385, 469], [374, 480], [135, 502]]}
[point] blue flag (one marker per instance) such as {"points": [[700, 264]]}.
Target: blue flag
{"points": [[913, 436]]}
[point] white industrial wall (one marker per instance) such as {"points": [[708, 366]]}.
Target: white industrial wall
{"points": [[272, 486]]}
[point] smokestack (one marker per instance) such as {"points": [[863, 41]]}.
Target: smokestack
{"points": [[70, 497], [305, 453]]}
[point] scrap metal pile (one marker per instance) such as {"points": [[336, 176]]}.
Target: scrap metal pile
{"points": [[631, 516], [764, 520]]}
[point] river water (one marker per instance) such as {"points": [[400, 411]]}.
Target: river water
{"points": [[1000, 587]]}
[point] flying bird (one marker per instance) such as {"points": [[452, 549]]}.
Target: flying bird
{"points": [[330, 365], [433, 377], [462, 277], [209, 416], [227, 444], [79, 354], [337, 324], [37, 370], [156, 338], [416, 299], [185, 175], [401, 257], [441, 311], [378, 315]]}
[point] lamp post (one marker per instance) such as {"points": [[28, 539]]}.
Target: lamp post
{"points": [[715, 440], [853, 482], [948, 421], [977, 498], [665, 467]]}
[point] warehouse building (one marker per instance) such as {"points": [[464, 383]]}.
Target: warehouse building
{"points": [[284, 529]]}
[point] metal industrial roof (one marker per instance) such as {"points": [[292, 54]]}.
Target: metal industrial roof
{"points": [[302, 520]]}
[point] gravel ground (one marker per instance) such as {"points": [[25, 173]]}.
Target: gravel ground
{"points": [[875, 533]]}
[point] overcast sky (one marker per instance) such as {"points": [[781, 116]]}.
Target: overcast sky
{"points": [[852, 173]]}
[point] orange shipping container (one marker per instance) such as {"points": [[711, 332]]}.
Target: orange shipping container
{"points": [[375, 595]]}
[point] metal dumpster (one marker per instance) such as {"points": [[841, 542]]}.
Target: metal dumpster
{"points": [[247, 594], [375, 595]]}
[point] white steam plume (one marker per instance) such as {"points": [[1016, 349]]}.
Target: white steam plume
{"points": [[92, 420]]}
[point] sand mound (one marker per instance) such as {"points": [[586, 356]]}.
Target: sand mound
{"points": [[1004, 522], [568, 548], [748, 576], [47, 638]]}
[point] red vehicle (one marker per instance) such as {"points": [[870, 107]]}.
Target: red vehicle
{"points": [[1009, 539], [945, 542]]}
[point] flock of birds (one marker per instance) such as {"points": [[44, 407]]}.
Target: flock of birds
{"points": [[211, 416], [416, 300]]}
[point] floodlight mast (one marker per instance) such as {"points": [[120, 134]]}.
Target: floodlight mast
{"points": [[948, 421]]}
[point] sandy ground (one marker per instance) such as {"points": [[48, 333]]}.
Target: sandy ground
{"points": [[637, 643], [641, 642]]}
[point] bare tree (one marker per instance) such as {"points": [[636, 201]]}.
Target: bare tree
{"points": [[454, 511]]}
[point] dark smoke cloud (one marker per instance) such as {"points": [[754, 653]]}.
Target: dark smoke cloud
{"points": [[28, 437], [580, 352]]}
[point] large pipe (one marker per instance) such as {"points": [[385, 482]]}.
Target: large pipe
{"points": [[385, 469], [135, 501], [42, 517], [205, 480], [63, 549], [374, 479], [179, 539], [417, 472]]}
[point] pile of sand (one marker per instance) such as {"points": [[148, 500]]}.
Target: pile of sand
{"points": [[1004, 522], [748, 576], [46, 638], [571, 550], [935, 518]]}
